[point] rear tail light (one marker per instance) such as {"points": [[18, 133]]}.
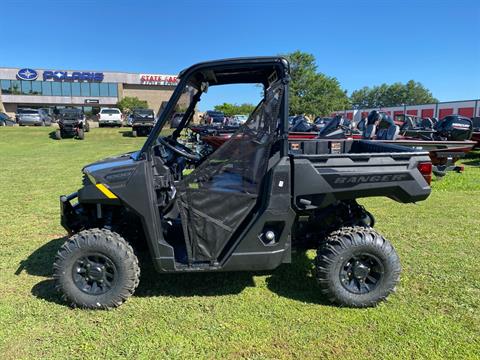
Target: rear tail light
{"points": [[425, 169]]}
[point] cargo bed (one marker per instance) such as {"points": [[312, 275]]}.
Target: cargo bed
{"points": [[325, 171]]}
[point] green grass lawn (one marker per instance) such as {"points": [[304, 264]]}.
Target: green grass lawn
{"points": [[434, 314]]}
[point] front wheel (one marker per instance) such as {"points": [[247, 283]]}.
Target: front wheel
{"points": [[357, 267], [134, 133], [81, 134], [58, 134], [96, 269]]}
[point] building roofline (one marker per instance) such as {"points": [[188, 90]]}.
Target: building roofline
{"points": [[84, 70]]}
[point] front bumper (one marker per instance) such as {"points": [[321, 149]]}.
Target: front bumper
{"points": [[30, 122], [70, 215], [139, 124], [110, 122]]}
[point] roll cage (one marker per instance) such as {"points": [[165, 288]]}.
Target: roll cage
{"points": [[255, 70]]}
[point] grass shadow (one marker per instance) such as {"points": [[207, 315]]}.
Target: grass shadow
{"points": [[292, 281], [296, 281], [52, 136], [126, 133], [153, 283], [39, 263], [472, 158], [46, 290]]}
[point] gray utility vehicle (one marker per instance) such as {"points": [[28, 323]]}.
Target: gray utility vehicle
{"points": [[71, 122], [143, 121], [245, 206]]}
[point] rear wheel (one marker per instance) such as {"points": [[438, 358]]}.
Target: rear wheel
{"points": [[87, 126], [96, 269], [58, 135], [134, 133], [81, 134], [357, 267]]}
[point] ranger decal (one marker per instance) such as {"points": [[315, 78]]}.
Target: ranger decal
{"points": [[345, 181]]}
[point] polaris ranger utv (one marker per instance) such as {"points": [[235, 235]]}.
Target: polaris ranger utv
{"points": [[143, 121], [246, 206], [71, 122]]}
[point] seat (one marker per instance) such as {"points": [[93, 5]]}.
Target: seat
{"points": [[427, 124], [370, 131], [392, 132]]}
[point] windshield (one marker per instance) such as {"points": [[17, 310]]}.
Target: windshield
{"points": [[215, 113], [143, 112], [27, 111], [110, 111]]}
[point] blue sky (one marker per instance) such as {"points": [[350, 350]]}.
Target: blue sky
{"points": [[361, 43]]}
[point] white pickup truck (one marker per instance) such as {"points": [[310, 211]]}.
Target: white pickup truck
{"points": [[110, 117]]}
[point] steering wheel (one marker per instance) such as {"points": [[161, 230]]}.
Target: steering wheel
{"points": [[179, 149]]}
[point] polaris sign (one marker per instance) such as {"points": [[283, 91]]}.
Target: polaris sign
{"points": [[27, 74], [74, 76]]}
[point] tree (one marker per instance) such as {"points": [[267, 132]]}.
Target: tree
{"points": [[129, 103], [411, 93], [235, 109], [312, 92]]}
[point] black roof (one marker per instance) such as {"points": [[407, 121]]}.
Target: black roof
{"points": [[237, 70]]}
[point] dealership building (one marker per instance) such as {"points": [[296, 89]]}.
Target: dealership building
{"points": [[89, 90]]}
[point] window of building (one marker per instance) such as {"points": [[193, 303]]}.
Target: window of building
{"points": [[112, 89], [104, 89], [46, 88], [66, 89], [85, 89], [26, 87], [75, 89], [36, 88], [5, 86], [95, 89], [56, 88], [15, 87]]}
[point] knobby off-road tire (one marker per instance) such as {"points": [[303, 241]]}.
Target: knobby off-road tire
{"points": [[81, 134], [96, 269], [58, 135], [357, 267]]}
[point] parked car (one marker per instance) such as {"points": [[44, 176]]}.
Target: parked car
{"points": [[129, 120], [237, 120], [110, 117], [37, 117], [215, 118], [6, 120], [50, 113], [176, 119]]}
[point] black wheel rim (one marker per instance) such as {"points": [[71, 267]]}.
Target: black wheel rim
{"points": [[361, 273], [94, 274]]}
